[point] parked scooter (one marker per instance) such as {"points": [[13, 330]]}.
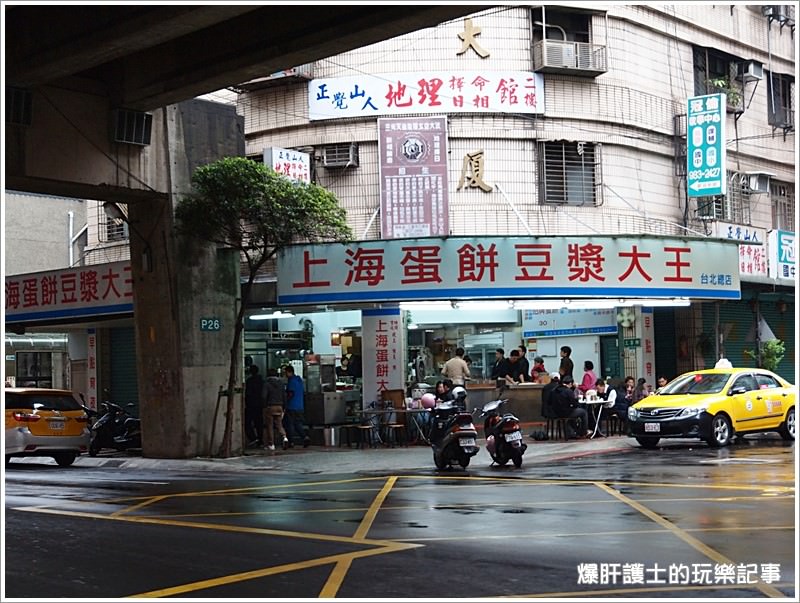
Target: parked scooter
{"points": [[503, 434], [453, 436], [116, 428], [91, 413]]}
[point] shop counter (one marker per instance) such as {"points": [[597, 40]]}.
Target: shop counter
{"points": [[524, 400]]}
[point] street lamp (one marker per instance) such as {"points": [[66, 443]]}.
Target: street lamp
{"points": [[113, 211]]}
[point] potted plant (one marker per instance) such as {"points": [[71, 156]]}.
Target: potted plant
{"points": [[772, 353], [723, 85]]}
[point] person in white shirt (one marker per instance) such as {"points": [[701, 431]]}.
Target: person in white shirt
{"points": [[456, 369]]}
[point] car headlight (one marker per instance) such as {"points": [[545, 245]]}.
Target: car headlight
{"points": [[688, 413], [633, 414]]}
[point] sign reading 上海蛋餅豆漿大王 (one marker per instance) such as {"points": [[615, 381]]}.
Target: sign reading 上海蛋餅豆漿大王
{"points": [[705, 146], [498, 267]]}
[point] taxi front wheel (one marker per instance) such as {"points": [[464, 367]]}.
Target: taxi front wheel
{"points": [[719, 431]]}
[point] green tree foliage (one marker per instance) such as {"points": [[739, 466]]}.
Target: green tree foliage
{"points": [[772, 353], [240, 204]]}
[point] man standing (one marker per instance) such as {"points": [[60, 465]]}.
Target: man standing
{"points": [[275, 399], [500, 368], [295, 408], [456, 368], [516, 372], [566, 367], [253, 407], [524, 365]]}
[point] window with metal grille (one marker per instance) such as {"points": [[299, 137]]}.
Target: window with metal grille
{"points": [[732, 207], [110, 229], [569, 173], [782, 197], [710, 64], [780, 100], [19, 106]]}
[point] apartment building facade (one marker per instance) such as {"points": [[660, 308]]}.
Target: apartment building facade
{"points": [[570, 121]]}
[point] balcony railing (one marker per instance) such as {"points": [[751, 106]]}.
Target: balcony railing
{"points": [[576, 58]]}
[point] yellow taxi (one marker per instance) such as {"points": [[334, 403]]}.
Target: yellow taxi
{"points": [[715, 405], [45, 422]]}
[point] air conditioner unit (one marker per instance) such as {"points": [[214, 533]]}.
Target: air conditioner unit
{"points": [[132, 127], [340, 155], [560, 54], [750, 71]]}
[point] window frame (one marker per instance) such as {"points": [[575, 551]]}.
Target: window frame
{"points": [[570, 173]]}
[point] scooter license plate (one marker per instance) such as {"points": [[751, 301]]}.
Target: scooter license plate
{"points": [[513, 436], [652, 427], [466, 442]]}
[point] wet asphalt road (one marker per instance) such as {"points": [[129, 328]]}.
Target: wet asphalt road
{"points": [[684, 521]]}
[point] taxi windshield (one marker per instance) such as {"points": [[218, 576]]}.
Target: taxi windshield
{"points": [[697, 383]]}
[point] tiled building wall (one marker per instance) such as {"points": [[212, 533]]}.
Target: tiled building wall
{"points": [[630, 111]]}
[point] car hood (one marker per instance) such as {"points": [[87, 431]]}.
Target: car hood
{"points": [[678, 401]]}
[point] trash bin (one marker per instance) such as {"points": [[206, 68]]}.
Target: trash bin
{"points": [[329, 436]]}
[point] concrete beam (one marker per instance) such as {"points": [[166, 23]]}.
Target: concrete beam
{"points": [[90, 36], [82, 190], [263, 42]]}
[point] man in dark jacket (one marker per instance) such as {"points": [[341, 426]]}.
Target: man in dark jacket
{"points": [[500, 368], [565, 405], [547, 394], [275, 401], [253, 407]]}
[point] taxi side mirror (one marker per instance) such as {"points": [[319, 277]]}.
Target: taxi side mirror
{"points": [[735, 391]]}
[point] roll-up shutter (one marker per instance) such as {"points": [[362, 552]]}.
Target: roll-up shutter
{"points": [[665, 343], [124, 385]]}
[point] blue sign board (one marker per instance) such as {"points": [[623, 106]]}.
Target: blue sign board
{"points": [[705, 146]]}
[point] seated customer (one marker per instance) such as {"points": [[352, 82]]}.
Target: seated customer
{"points": [[565, 405], [614, 406]]}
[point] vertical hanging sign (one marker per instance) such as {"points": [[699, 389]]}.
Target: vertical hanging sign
{"points": [[705, 146], [381, 352], [91, 368], [413, 177]]}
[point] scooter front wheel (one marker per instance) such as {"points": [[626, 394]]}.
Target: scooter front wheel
{"points": [[93, 448]]}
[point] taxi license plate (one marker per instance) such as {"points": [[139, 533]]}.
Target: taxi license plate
{"points": [[56, 425], [652, 427], [465, 442], [513, 436]]}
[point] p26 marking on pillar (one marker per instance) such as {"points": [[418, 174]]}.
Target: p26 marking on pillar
{"points": [[210, 324]]}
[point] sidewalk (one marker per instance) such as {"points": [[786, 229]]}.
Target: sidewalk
{"points": [[318, 459]]}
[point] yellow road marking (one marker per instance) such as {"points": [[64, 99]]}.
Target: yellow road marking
{"points": [[703, 548], [343, 562], [140, 505], [223, 527], [341, 568], [268, 571], [518, 534]]}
